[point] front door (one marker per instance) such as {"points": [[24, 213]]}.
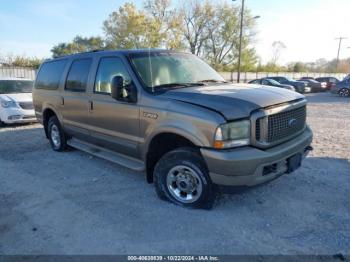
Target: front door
{"points": [[113, 124]]}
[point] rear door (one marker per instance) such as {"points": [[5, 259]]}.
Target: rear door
{"points": [[75, 101], [113, 124]]}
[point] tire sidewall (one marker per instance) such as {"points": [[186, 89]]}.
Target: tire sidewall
{"points": [[192, 160], [54, 121]]}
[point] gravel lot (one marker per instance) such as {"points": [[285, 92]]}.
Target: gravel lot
{"points": [[72, 203]]}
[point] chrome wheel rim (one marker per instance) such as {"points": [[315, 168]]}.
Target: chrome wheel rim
{"points": [[344, 92], [55, 136], [184, 184]]}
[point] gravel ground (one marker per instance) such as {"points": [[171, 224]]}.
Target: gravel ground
{"points": [[72, 203]]}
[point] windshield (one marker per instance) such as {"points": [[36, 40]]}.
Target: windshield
{"points": [[290, 79], [273, 82], [15, 86], [168, 70], [312, 81]]}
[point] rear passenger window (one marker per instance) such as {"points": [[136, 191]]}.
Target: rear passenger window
{"points": [[78, 75], [50, 75], [108, 68]]}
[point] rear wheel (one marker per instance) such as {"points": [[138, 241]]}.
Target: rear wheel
{"points": [[181, 177], [56, 135], [344, 92]]}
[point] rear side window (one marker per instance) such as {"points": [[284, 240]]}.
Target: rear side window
{"points": [[50, 75], [78, 75]]}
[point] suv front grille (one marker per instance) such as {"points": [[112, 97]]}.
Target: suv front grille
{"points": [[285, 124], [280, 126], [26, 105]]}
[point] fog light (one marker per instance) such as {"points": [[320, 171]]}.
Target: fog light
{"points": [[16, 117]]}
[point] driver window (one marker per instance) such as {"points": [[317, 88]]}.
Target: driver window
{"points": [[108, 68]]}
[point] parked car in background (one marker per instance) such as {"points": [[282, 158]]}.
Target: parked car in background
{"points": [[315, 85], [306, 78], [342, 88], [300, 87], [271, 82], [331, 81], [16, 104]]}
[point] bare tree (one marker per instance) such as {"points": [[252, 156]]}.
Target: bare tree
{"points": [[196, 16], [277, 49]]}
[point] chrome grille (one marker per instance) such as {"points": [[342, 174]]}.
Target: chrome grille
{"points": [[278, 124], [286, 124], [26, 105]]}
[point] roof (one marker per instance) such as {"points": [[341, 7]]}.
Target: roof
{"points": [[123, 51]]}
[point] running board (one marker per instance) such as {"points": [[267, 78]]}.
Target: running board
{"points": [[109, 155]]}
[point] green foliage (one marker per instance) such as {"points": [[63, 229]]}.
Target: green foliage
{"points": [[22, 61], [209, 30], [79, 44]]}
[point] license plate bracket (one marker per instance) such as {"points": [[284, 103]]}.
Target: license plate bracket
{"points": [[294, 162]]}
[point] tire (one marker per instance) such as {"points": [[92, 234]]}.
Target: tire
{"points": [[2, 124], [344, 92], [181, 177], [56, 135]]}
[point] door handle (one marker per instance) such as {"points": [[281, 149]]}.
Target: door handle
{"points": [[91, 105]]}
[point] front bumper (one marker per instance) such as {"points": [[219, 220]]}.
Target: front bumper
{"points": [[247, 166], [17, 116]]}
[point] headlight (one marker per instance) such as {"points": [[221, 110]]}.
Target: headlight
{"points": [[232, 134], [7, 104]]}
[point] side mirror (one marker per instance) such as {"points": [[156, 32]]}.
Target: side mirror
{"points": [[123, 93]]}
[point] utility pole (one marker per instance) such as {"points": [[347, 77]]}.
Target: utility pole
{"points": [[339, 47], [240, 44]]}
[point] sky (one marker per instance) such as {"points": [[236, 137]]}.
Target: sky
{"points": [[308, 28]]}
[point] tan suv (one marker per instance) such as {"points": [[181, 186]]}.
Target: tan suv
{"points": [[171, 115]]}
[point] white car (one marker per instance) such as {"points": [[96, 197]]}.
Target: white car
{"points": [[16, 103]]}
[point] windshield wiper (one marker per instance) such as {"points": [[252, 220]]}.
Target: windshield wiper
{"points": [[211, 81], [177, 85]]}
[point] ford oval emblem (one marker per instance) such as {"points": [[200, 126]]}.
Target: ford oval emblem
{"points": [[292, 122]]}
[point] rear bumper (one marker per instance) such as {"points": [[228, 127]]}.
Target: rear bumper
{"points": [[247, 166]]}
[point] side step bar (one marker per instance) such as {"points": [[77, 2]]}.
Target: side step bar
{"points": [[109, 155]]}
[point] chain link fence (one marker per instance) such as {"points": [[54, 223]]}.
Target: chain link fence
{"points": [[248, 76]]}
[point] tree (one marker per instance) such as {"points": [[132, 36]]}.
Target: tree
{"points": [[79, 44], [164, 24], [298, 67], [277, 49], [223, 42], [205, 29], [196, 17], [156, 26]]}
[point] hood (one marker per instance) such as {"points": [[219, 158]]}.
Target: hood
{"points": [[20, 97], [231, 100]]}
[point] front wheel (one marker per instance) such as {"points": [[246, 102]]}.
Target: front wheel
{"points": [[56, 135], [344, 92], [181, 177]]}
